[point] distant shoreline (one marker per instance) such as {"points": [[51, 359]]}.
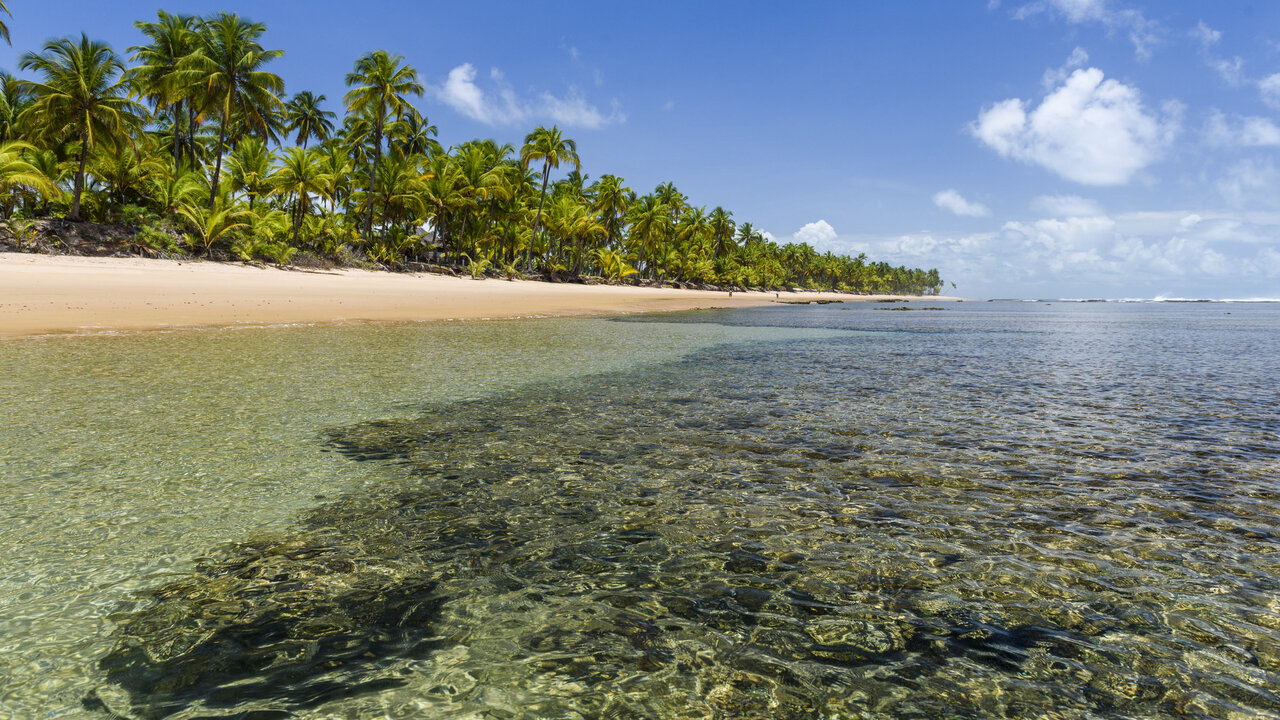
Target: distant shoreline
{"points": [[58, 295]]}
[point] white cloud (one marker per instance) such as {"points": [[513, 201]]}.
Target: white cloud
{"points": [[818, 234], [953, 201], [1143, 33], [1075, 11], [1232, 71], [1239, 132], [502, 106], [1137, 254], [1250, 183], [668, 106], [1066, 206], [573, 110], [1090, 130], [1054, 77], [1207, 36], [461, 94], [1269, 87], [1073, 234]]}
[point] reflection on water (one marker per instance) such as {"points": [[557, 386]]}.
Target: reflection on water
{"points": [[982, 512]]}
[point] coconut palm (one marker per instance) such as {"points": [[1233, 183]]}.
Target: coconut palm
{"points": [[336, 166], [413, 135], [380, 84], [127, 170], [304, 115], [4, 29], [441, 194], [722, 228], [546, 144], [250, 168], [301, 175], [650, 221], [573, 220], [172, 190], [17, 174], [398, 187], [172, 37], [15, 97], [224, 78], [610, 199], [81, 99], [613, 264], [213, 225]]}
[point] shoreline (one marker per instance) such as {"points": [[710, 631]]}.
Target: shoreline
{"points": [[59, 295]]}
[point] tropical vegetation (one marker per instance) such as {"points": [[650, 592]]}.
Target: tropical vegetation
{"points": [[190, 138]]}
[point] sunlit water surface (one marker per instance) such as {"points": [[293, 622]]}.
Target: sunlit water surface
{"points": [[988, 510]]}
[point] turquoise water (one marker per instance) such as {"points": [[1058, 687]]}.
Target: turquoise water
{"points": [[990, 510]]}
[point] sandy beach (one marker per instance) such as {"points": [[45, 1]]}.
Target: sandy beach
{"points": [[48, 294]]}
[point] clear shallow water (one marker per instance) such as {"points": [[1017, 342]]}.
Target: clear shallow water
{"points": [[125, 458], [993, 510]]}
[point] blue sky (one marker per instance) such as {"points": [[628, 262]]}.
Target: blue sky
{"points": [[1030, 148]]}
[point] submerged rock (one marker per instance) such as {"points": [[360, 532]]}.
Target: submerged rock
{"points": [[295, 623]]}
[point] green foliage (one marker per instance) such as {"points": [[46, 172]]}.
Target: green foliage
{"points": [[280, 252], [477, 267], [153, 237], [26, 234]]}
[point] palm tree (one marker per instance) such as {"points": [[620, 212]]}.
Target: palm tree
{"points": [[649, 220], [547, 145], [336, 166], [301, 175], [441, 194], [722, 228], [172, 190], [172, 38], [674, 200], [613, 264], [413, 135], [212, 225], [575, 222], [127, 170], [691, 232], [303, 114], [379, 85], [610, 199], [224, 77], [15, 97], [4, 29], [398, 185], [18, 174], [250, 169], [81, 99]]}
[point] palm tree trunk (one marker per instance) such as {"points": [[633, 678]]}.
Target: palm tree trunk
{"points": [[297, 219], [177, 139], [462, 237], [84, 156], [373, 169], [528, 255], [217, 166], [506, 235]]}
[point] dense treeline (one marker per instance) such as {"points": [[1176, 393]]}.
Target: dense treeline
{"points": [[192, 139]]}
